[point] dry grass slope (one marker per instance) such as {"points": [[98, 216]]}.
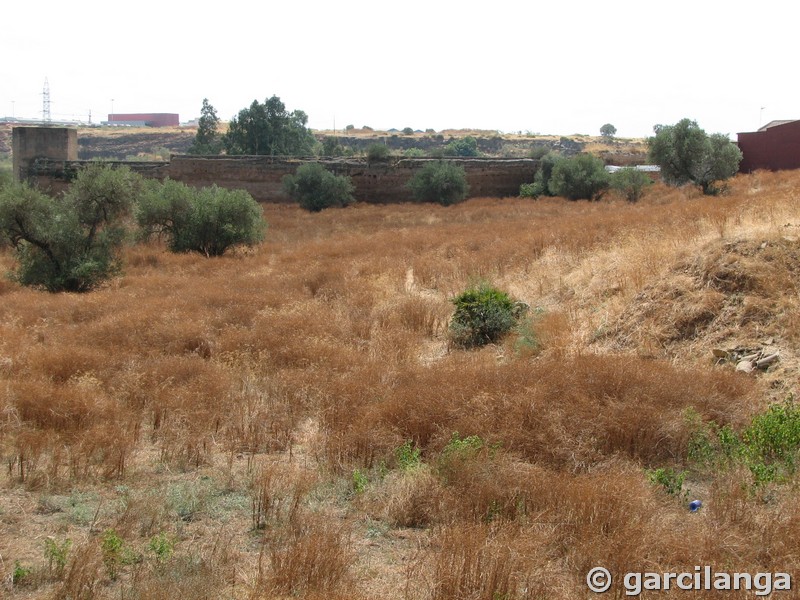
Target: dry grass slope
{"points": [[236, 421]]}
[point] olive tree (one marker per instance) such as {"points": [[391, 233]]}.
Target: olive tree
{"points": [[208, 221], [441, 182], [630, 183], [580, 177], [687, 154], [69, 243], [315, 188]]}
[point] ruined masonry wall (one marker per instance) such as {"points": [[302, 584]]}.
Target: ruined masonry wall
{"points": [[47, 157]]}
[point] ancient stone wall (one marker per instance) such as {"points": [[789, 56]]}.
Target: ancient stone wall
{"points": [[376, 183], [262, 176]]}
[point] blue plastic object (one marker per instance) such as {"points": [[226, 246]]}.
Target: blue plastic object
{"points": [[695, 505]]}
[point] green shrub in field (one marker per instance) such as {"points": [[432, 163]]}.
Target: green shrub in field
{"points": [[56, 555], [21, 575], [408, 456], [360, 481], [69, 243], [115, 552], [772, 442], [441, 182], [630, 183], [331, 147], [529, 190], [5, 173], [316, 188], [769, 446], [162, 547], [686, 154], [463, 446], [483, 315], [541, 179], [670, 480], [581, 177], [377, 153], [208, 221], [414, 152], [460, 451], [538, 152], [464, 147]]}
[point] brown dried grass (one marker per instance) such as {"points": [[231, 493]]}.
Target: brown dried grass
{"points": [[186, 364]]}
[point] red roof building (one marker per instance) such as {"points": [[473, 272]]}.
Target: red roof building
{"points": [[148, 119], [776, 146]]}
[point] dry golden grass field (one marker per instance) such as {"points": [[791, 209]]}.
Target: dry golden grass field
{"points": [[290, 421]]}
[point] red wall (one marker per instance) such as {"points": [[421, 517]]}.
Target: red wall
{"points": [[152, 119], [774, 149]]}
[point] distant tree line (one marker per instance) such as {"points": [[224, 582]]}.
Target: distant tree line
{"points": [[684, 153], [269, 129]]}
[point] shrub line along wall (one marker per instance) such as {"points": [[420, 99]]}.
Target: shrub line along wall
{"points": [[53, 168]]}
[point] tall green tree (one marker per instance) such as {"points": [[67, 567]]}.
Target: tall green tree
{"points": [[207, 140], [608, 131], [269, 129], [687, 154]]}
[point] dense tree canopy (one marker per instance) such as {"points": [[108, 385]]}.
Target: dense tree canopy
{"points": [[269, 129], [686, 154]]}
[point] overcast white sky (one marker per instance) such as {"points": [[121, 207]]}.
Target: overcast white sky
{"points": [[551, 67]]}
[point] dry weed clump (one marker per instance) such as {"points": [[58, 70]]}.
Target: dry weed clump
{"points": [[277, 493], [569, 412], [313, 556], [412, 498], [84, 574], [482, 562], [206, 571]]}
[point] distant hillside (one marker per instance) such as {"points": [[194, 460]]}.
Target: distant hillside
{"points": [[155, 143], [122, 144]]}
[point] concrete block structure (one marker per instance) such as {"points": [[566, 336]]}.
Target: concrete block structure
{"points": [[31, 144]]}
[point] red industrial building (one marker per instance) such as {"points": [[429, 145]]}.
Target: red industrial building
{"points": [[776, 146], [146, 119]]}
